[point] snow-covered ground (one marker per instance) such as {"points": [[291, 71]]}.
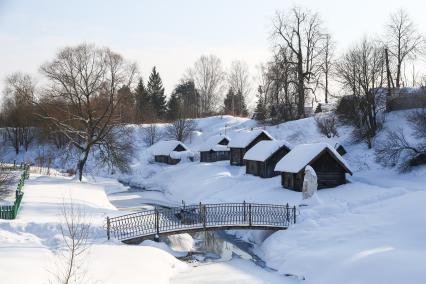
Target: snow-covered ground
{"points": [[370, 230], [29, 245]]}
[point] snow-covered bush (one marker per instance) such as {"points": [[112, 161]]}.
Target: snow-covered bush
{"points": [[327, 124]]}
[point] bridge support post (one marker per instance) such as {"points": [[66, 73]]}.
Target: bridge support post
{"points": [[204, 216], [200, 209], [244, 212], [294, 214], [287, 214], [108, 228], [249, 210], [157, 225]]}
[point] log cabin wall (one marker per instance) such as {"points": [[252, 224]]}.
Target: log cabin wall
{"points": [[237, 155], [329, 172]]}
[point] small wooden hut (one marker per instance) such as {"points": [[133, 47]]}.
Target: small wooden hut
{"points": [[170, 152], [215, 149], [243, 142], [262, 158], [340, 149], [328, 164]]}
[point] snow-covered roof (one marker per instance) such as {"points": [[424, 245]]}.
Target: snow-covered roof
{"points": [[213, 144], [264, 149], [164, 148], [301, 155], [244, 138]]}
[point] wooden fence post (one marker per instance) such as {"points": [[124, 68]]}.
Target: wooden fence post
{"points": [[108, 228], [249, 209]]}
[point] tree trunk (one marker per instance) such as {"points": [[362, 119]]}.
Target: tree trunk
{"points": [[326, 87], [301, 94], [82, 163]]}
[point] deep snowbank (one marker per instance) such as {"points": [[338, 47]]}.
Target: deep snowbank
{"points": [[31, 242]]}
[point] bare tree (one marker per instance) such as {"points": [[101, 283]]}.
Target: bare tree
{"points": [[75, 231], [208, 77], [361, 72], [396, 150], [238, 78], [82, 99], [17, 111], [299, 32], [151, 134], [116, 150], [403, 42], [181, 129]]}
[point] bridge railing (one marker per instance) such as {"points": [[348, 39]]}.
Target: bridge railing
{"points": [[201, 216]]}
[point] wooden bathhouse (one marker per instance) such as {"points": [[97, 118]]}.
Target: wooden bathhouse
{"points": [[262, 158], [244, 141], [328, 164], [215, 149], [170, 152]]}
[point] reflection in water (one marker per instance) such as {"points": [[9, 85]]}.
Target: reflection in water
{"points": [[218, 246]]}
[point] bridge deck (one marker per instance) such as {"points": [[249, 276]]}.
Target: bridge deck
{"points": [[135, 227]]}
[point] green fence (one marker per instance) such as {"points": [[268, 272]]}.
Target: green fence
{"points": [[11, 211]]}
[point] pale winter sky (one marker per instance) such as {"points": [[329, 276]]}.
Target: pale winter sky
{"points": [[173, 34]]}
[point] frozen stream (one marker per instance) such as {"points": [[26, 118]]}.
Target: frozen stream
{"points": [[222, 259]]}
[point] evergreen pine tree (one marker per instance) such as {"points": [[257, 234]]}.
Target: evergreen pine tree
{"points": [[241, 107], [155, 91], [174, 107], [260, 111], [234, 104], [143, 103], [189, 97], [228, 107]]}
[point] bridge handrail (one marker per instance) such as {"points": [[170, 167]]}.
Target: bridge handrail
{"points": [[202, 216]]}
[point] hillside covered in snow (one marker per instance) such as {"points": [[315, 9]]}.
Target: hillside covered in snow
{"points": [[369, 230]]}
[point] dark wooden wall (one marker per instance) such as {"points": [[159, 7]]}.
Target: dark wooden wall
{"points": [[166, 160], [329, 172], [266, 169], [237, 154], [236, 158], [214, 156]]}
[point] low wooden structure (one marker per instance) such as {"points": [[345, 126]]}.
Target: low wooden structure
{"points": [[340, 149], [262, 158], [170, 152], [243, 142], [215, 149], [151, 224], [328, 164]]}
